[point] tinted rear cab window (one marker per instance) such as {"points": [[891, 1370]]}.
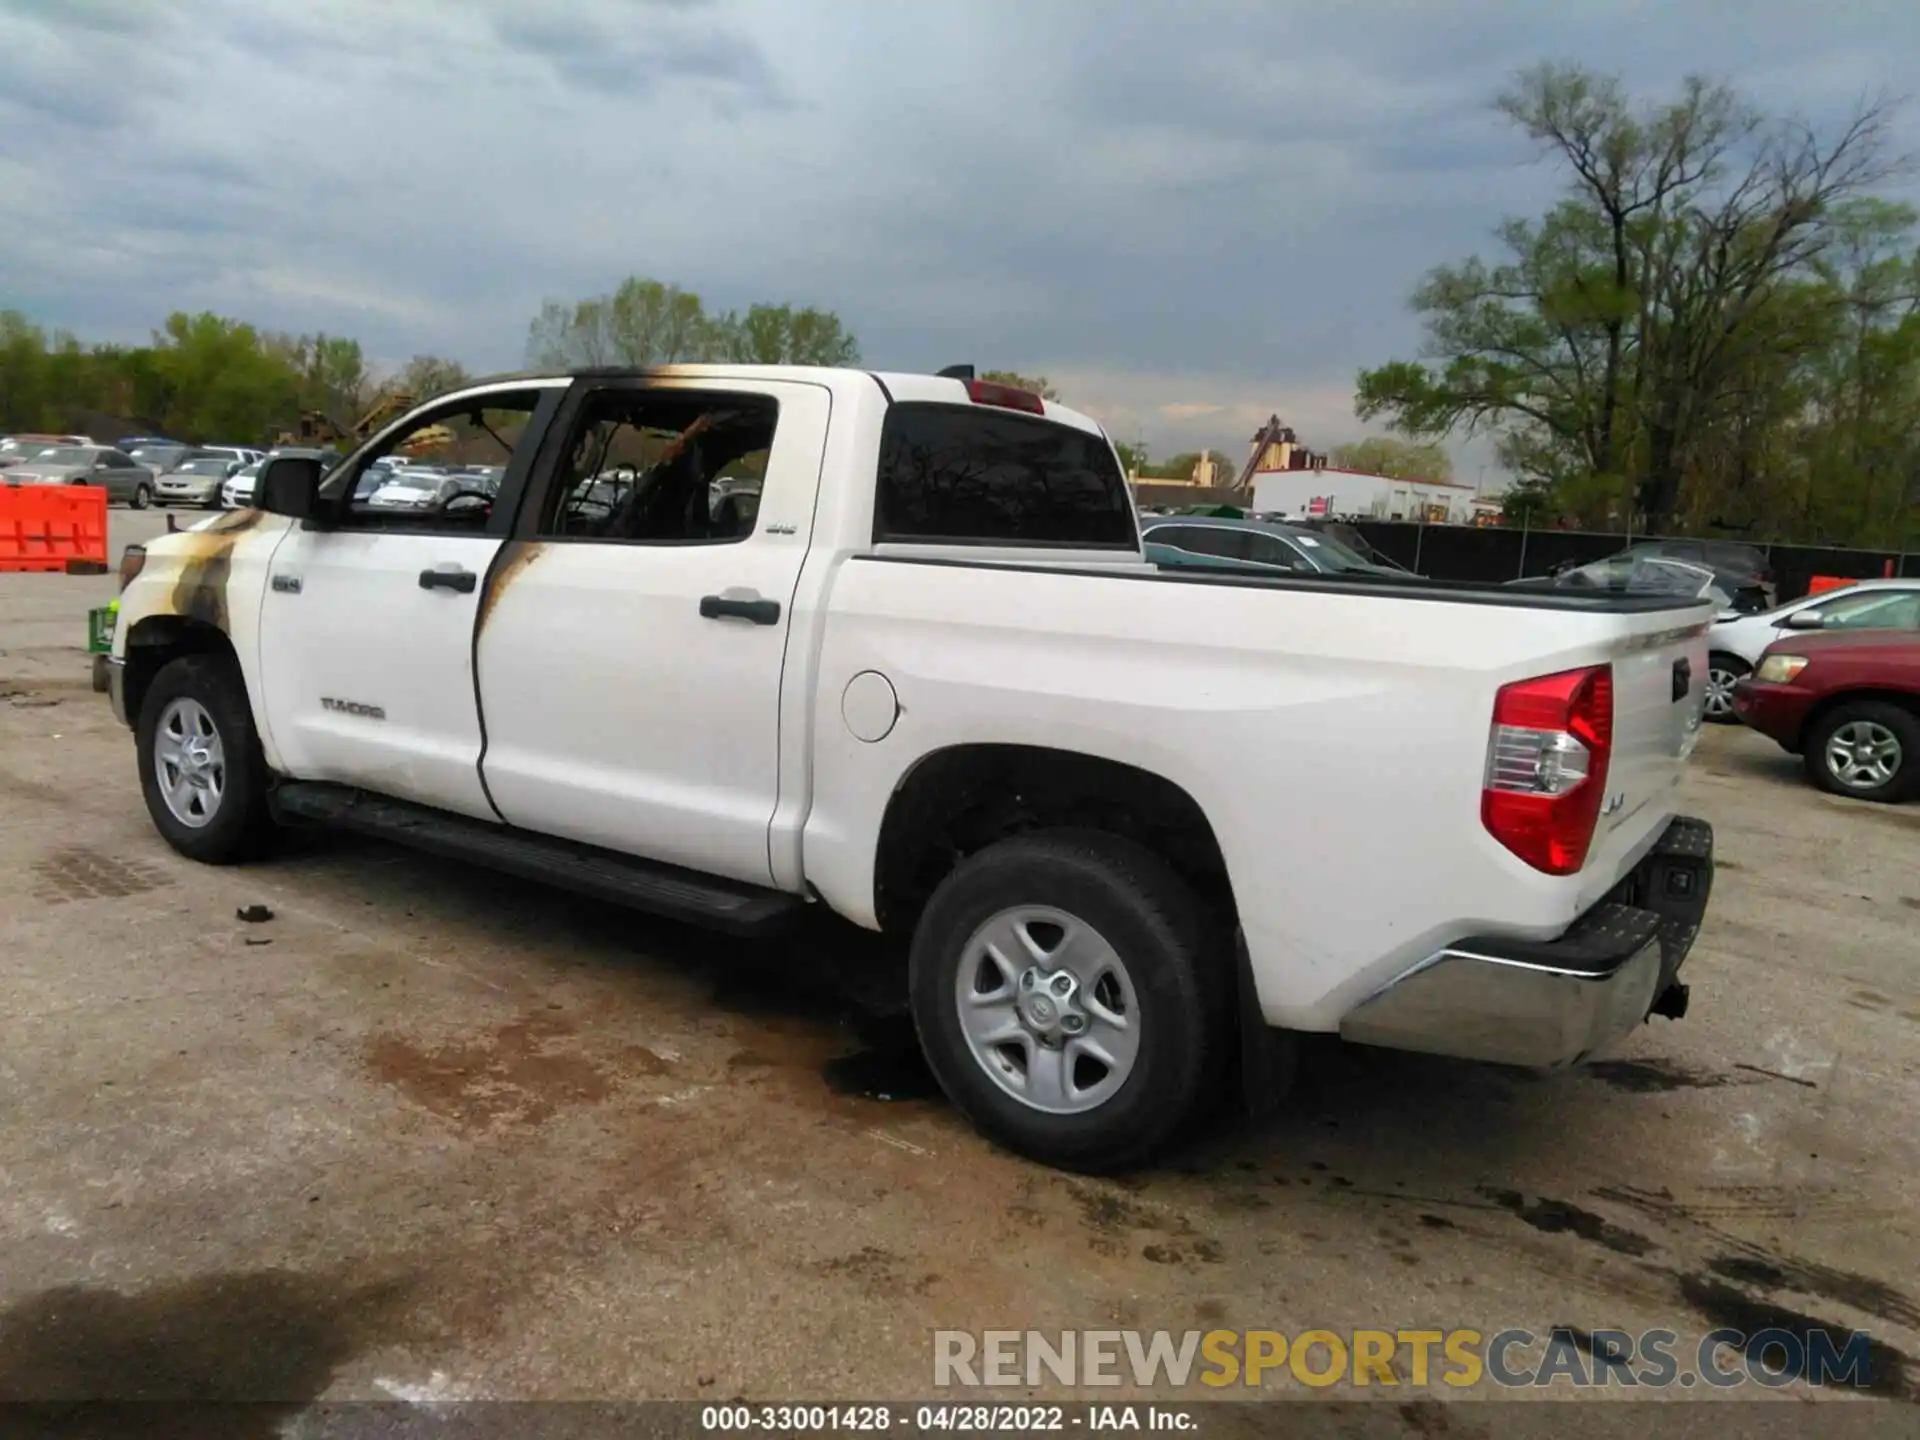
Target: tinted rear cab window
{"points": [[961, 474]]}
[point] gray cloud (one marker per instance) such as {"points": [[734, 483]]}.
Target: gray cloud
{"points": [[631, 50], [1216, 203]]}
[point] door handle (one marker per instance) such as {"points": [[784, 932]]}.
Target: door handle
{"points": [[760, 612], [449, 577]]}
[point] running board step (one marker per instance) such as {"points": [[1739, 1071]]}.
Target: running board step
{"points": [[665, 890]]}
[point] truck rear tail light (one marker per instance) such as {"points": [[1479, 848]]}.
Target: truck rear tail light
{"points": [[1547, 766], [1007, 397]]}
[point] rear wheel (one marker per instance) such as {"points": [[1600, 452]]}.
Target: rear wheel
{"points": [[1722, 671], [1068, 999], [142, 496], [1867, 749], [201, 770]]}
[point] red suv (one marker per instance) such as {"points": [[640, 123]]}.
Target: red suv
{"points": [[1847, 703]]}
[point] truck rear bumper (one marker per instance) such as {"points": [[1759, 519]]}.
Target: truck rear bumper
{"points": [[1556, 1002]]}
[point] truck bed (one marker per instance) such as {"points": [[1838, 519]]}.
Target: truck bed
{"points": [[1334, 731]]}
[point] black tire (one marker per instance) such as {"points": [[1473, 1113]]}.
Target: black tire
{"points": [[1901, 726], [142, 496], [1181, 979], [1720, 663], [240, 827]]}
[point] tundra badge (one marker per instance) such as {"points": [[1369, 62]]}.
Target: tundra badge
{"points": [[353, 707]]}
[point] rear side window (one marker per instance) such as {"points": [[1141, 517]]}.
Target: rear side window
{"points": [[960, 474], [1744, 556]]}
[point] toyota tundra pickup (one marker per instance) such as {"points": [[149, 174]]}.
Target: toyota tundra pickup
{"points": [[724, 643]]}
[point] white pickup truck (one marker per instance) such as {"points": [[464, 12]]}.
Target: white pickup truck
{"points": [[726, 642]]}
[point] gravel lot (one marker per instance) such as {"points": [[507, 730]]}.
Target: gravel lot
{"points": [[430, 1131]]}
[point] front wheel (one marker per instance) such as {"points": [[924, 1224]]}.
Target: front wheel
{"points": [[201, 770], [1867, 749], [1067, 998], [142, 497], [1722, 671]]}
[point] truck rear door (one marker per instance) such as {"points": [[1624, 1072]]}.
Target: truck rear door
{"points": [[632, 634]]}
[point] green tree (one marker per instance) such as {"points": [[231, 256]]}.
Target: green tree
{"points": [[219, 381], [1616, 347], [25, 400], [427, 375], [1174, 467], [1401, 459], [640, 322], [646, 322], [782, 335], [1038, 384]]}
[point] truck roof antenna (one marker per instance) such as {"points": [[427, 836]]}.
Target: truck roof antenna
{"points": [[956, 372]]}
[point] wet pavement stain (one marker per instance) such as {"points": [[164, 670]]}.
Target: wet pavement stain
{"points": [[877, 1271], [507, 1075], [890, 1068], [1748, 1271], [1557, 1217], [270, 1338], [1652, 1077], [1768, 1271], [1890, 1372]]}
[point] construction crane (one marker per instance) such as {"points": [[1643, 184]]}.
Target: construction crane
{"points": [[318, 429]]}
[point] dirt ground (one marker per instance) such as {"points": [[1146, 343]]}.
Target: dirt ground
{"points": [[434, 1132]]}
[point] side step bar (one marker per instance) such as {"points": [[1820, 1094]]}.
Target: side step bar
{"points": [[665, 890]]}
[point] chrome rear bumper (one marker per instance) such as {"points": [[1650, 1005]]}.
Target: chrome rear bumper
{"points": [[1545, 1004]]}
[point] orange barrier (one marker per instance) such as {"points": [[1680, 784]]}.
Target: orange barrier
{"points": [[59, 528], [1820, 584]]}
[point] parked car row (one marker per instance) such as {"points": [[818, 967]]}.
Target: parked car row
{"points": [[123, 478], [1738, 641], [139, 471]]}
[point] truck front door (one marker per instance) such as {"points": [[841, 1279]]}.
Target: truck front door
{"points": [[633, 634], [366, 629]]}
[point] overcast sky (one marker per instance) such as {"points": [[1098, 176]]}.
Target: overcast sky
{"points": [[1187, 214]]}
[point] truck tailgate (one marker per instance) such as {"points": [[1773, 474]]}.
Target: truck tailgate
{"points": [[1659, 692]]}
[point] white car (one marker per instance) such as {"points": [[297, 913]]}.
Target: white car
{"points": [[1128, 824], [237, 492], [243, 454], [1736, 642]]}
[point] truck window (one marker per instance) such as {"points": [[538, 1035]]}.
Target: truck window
{"points": [[1221, 540], [662, 467], [399, 484], [965, 475]]}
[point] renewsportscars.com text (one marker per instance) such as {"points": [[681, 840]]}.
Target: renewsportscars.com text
{"points": [[1461, 1358]]}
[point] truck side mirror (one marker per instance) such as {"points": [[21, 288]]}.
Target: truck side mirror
{"points": [[289, 485]]}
